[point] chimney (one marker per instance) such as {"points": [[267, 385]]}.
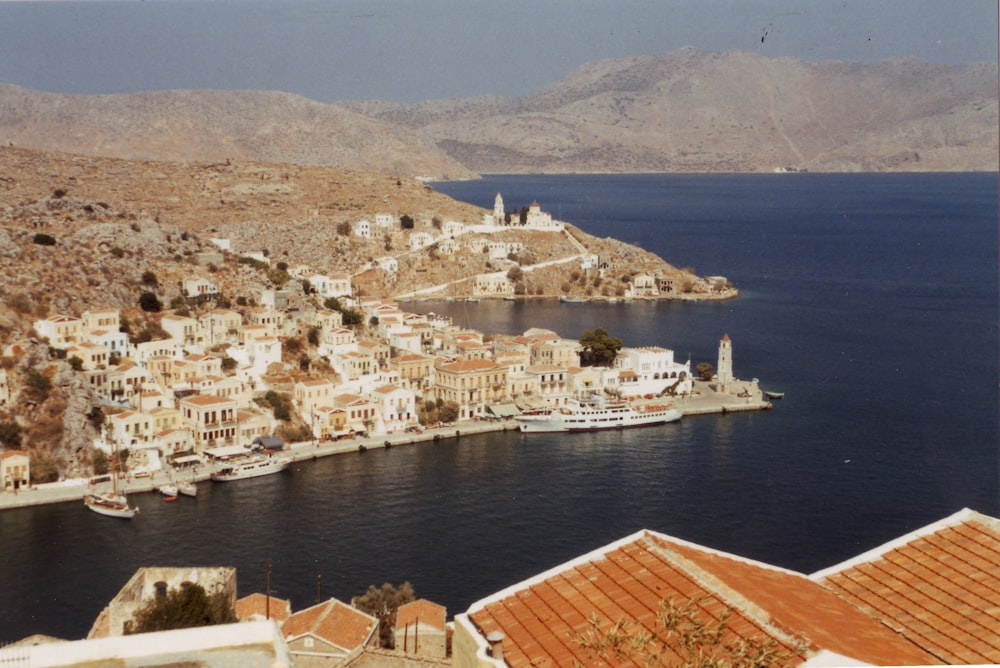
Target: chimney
{"points": [[495, 639]]}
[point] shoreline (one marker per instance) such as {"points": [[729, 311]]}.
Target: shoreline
{"points": [[704, 401]]}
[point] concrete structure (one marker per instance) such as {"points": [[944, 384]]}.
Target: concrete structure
{"points": [[148, 584], [724, 368], [250, 645]]}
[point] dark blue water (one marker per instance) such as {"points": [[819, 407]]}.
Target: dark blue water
{"points": [[871, 300]]}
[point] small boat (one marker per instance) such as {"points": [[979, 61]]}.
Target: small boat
{"points": [[571, 300], [169, 491], [187, 488], [774, 395], [110, 505]]}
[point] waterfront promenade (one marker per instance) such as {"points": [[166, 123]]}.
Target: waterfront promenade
{"points": [[745, 396]]}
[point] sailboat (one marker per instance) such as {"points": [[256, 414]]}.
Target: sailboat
{"points": [[113, 504]]}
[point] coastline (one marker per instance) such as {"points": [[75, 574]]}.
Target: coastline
{"points": [[746, 396]]}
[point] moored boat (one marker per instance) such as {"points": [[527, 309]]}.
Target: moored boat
{"points": [[251, 467], [187, 488], [595, 413], [774, 395], [110, 505], [169, 491]]}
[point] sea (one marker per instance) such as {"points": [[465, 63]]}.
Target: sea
{"points": [[870, 300]]}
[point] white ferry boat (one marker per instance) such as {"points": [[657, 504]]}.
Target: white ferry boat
{"points": [[251, 467], [595, 413]]}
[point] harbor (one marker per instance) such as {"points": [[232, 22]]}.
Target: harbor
{"points": [[704, 400]]}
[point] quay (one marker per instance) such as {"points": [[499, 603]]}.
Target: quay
{"points": [[704, 400]]}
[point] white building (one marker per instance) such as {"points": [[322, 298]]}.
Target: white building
{"points": [[654, 371], [362, 228]]}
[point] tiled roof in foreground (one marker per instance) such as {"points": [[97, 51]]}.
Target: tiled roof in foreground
{"points": [[542, 617], [938, 586]]}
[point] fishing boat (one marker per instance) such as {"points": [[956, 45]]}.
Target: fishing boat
{"points": [[251, 467], [187, 488], [114, 504], [774, 395], [595, 413]]}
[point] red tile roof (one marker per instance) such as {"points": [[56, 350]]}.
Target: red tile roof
{"points": [[422, 611], [257, 605], [938, 586], [337, 623], [542, 617]]}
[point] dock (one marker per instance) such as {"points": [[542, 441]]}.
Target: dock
{"points": [[705, 400]]}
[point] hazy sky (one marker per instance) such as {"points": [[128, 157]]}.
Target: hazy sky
{"points": [[407, 50]]}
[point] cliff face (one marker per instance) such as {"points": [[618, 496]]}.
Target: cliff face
{"points": [[713, 112]]}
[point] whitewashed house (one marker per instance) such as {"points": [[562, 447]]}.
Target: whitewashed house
{"points": [[362, 228], [387, 263]]}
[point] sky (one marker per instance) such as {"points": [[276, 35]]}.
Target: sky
{"points": [[411, 50]]}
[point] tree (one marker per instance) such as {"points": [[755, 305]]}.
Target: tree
{"points": [[448, 411], [183, 608], [149, 278], [37, 386], [383, 604], [704, 370], [10, 434], [333, 304], [406, 222], [149, 302], [101, 463], [515, 274], [682, 639], [278, 277], [44, 239], [599, 348]]}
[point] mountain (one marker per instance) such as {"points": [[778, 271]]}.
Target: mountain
{"points": [[682, 111], [689, 110], [207, 125]]}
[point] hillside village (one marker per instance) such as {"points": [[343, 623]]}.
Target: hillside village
{"points": [[175, 331]]}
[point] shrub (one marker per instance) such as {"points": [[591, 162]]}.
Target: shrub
{"points": [[44, 239], [149, 302], [117, 252]]}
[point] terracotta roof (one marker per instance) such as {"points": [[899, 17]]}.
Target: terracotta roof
{"points": [[256, 605], [465, 366], [334, 622], [13, 453], [938, 586], [422, 611], [542, 617]]}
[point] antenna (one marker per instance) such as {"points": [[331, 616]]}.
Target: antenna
{"points": [[319, 587]]}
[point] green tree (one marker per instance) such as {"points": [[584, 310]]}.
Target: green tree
{"points": [[448, 411], [333, 304], [149, 302], [278, 277], [599, 348], [352, 317], [682, 639], [37, 386], [383, 604], [313, 336], [149, 278], [183, 608], [704, 370], [515, 274], [44, 239], [10, 434], [406, 222], [101, 463]]}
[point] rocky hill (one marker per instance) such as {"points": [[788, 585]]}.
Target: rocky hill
{"points": [[683, 111], [201, 125], [694, 111]]}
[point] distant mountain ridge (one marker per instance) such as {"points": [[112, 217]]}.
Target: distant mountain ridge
{"points": [[682, 111], [689, 110]]}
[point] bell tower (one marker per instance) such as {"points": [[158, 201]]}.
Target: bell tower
{"points": [[724, 369], [498, 210]]}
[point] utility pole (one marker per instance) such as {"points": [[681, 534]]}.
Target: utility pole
{"points": [[319, 588], [267, 591]]}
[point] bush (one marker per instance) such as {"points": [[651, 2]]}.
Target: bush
{"points": [[37, 386], [149, 302], [117, 252], [183, 608], [10, 434], [44, 239]]}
